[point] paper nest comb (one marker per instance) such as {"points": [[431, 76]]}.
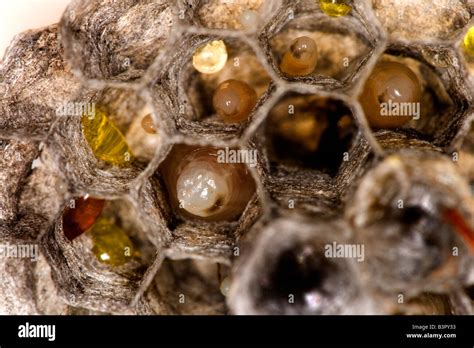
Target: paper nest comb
{"points": [[131, 53]]}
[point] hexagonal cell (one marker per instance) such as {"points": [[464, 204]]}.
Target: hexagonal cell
{"points": [[105, 138], [309, 131], [195, 109], [98, 252], [418, 20], [188, 287], [206, 204], [115, 40], [208, 183], [287, 270], [308, 161], [308, 45], [418, 91], [28, 195], [308, 143], [238, 14], [34, 81], [416, 204]]}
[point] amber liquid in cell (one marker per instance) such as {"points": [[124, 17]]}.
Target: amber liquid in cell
{"points": [[112, 245], [79, 219], [105, 140]]}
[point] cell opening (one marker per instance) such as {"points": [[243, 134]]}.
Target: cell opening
{"points": [[208, 183], [304, 278], [341, 45], [311, 132], [120, 128], [243, 69], [110, 231], [404, 93]]}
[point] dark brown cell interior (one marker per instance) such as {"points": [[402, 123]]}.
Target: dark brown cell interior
{"points": [[242, 64], [298, 149]]}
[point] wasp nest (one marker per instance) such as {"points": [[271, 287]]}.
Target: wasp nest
{"points": [[239, 157]]}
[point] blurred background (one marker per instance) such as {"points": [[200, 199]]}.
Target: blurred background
{"points": [[19, 15]]}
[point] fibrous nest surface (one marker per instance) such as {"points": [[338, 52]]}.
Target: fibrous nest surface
{"points": [[386, 190]]}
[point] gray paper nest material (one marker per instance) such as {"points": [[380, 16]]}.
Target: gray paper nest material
{"points": [[130, 52]]}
